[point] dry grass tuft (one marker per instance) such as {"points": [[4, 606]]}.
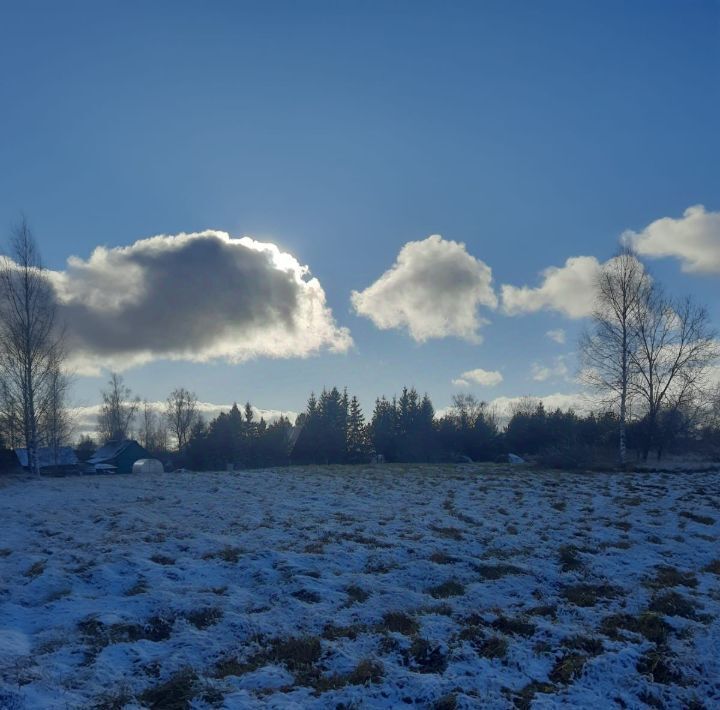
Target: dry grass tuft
{"points": [[587, 644], [712, 567], [447, 702], [517, 626], [307, 596], [588, 594], [448, 532], [36, 569], [523, 700], [203, 618], [492, 647], [297, 653], [657, 664], [668, 576], [331, 632], [569, 558], [140, 587], [356, 594], [493, 572], [227, 554], [673, 604], [450, 588], [176, 693], [441, 558], [567, 668], [652, 626], [399, 622], [162, 560], [702, 519], [424, 657]]}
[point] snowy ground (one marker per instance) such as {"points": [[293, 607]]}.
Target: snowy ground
{"points": [[458, 586]]}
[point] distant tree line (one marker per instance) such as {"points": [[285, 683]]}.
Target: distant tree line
{"points": [[649, 357], [405, 429]]}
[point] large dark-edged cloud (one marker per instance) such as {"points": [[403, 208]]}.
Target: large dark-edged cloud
{"points": [[199, 297]]}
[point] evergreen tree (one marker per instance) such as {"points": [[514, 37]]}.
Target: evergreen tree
{"points": [[358, 444]]}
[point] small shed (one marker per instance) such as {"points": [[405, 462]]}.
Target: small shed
{"points": [[52, 459], [120, 454], [148, 466]]}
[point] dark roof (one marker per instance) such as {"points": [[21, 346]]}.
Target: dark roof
{"points": [[111, 450], [62, 456]]}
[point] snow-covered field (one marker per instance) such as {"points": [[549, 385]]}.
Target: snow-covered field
{"points": [[456, 586]]}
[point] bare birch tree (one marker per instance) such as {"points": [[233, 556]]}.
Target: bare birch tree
{"points": [[607, 348], [676, 347], [182, 413], [55, 417], [152, 432], [117, 410], [31, 340]]}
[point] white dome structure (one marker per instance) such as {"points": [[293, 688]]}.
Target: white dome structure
{"points": [[148, 466]]}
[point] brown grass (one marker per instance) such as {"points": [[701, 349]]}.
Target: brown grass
{"points": [[450, 588], [702, 519], [356, 594], [162, 560], [523, 699], [425, 657], [493, 572], [668, 576], [567, 668], [36, 569], [518, 626], [399, 622], [203, 618], [441, 558], [226, 554], [658, 665], [588, 594], [569, 558], [447, 532], [712, 567], [673, 604], [652, 626], [176, 693]]}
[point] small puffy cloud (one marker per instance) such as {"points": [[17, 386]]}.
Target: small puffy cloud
{"points": [[433, 289], [199, 297], [485, 378], [557, 370], [569, 289], [694, 239], [557, 335]]}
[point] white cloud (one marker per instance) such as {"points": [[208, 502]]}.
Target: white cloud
{"points": [[580, 402], [199, 297], [569, 289], [558, 370], [694, 239], [557, 335], [433, 289], [85, 417], [485, 378]]}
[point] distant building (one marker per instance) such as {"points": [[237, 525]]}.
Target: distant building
{"points": [[53, 460], [117, 456]]}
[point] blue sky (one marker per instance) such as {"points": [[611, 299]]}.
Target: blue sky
{"points": [[339, 131]]}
